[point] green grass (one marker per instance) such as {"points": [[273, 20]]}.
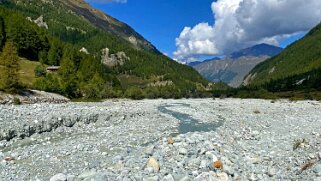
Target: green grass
{"points": [[26, 72], [131, 80]]}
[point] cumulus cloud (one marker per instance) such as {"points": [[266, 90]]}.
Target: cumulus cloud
{"points": [[107, 1], [243, 23]]}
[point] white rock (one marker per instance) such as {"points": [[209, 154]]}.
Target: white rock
{"points": [[211, 155], [168, 178], [182, 151], [59, 177], [203, 164], [222, 176]]}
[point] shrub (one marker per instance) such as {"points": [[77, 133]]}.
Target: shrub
{"points": [[16, 101], [40, 71]]}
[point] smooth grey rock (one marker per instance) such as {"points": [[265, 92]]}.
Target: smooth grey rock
{"points": [[210, 176], [317, 169], [168, 178], [87, 174], [99, 177], [182, 151], [150, 150], [59, 177], [154, 178], [271, 172]]}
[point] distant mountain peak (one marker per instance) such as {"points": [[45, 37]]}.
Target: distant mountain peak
{"points": [[259, 50]]}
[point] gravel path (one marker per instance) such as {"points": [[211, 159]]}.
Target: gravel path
{"points": [[131, 140]]}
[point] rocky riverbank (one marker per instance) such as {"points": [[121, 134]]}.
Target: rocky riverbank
{"points": [[136, 140], [32, 97]]}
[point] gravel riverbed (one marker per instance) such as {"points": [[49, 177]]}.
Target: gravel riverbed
{"points": [[161, 140]]}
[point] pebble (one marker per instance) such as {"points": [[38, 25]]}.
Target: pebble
{"points": [[59, 177], [182, 151], [153, 163]]}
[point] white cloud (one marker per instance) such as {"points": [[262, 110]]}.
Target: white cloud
{"points": [[243, 23], [107, 1]]}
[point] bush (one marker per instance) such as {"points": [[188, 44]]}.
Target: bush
{"points": [[16, 101], [135, 93], [40, 71]]}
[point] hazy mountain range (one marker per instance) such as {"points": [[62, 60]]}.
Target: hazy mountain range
{"points": [[233, 68]]}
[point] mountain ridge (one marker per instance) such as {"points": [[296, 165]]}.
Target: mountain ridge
{"points": [[234, 67], [297, 67], [102, 20]]}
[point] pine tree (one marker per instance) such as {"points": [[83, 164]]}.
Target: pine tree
{"points": [[2, 33], [9, 65]]}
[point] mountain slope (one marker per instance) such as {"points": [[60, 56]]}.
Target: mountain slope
{"points": [[102, 20], [300, 58], [52, 33], [235, 67], [192, 64]]}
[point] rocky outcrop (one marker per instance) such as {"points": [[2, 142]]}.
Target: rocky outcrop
{"points": [[112, 60], [84, 50], [39, 21]]}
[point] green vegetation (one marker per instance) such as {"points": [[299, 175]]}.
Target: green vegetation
{"points": [[82, 76], [9, 80], [297, 61], [294, 74]]}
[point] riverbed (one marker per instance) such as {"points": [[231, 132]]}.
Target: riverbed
{"points": [[118, 139]]}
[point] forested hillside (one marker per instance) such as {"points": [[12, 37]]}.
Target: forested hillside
{"points": [[59, 35], [297, 67]]}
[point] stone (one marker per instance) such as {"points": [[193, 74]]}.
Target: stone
{"points": [[222, 176], [182, 151], [271, 172], [218, 164], [119, 166], [153, 163], [87, 174], [209, 176], [150, 150], [203, 164], [149, 170], [59, 177], [8, 158], [254, 160], [170, 141], [228, 170], [99, 177], [317, 169], [186, 178], [155, 178], [168, 177], [210, 155]]}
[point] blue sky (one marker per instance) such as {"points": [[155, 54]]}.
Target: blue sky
{"points": [[160, 21], [187, 29]]}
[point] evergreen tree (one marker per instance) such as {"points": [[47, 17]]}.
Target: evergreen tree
{"points": [[2, 33], [10, 67]]}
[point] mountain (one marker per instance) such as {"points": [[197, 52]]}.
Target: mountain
{"points": [[101, 20], [297, 67], [98, 56], [192, 64], [257, 51], [235, 67]]}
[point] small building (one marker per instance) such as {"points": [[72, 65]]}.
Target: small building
{"points": [[52, 69]]}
